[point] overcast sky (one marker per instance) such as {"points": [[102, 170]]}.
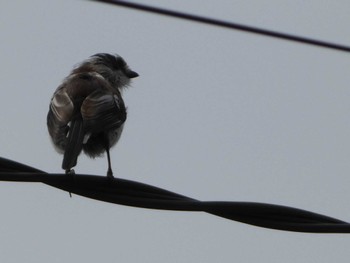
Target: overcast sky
{"points": [[216, 114]]}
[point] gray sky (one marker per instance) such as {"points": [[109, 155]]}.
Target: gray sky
{"points": [[215, 115]]}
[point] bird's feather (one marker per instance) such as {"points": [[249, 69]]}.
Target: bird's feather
{"points": [[74, 143], [103, 111]]}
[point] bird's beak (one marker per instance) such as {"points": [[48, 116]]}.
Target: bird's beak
{"points": [[131, 74]]}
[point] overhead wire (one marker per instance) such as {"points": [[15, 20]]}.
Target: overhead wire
{"points": [[230, 25]]}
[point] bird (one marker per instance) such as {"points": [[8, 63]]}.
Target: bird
{"points": [[87, 112]]}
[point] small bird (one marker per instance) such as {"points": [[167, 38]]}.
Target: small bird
{"points": [[87, 112]]}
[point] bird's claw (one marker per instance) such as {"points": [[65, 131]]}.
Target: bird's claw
{"points": [[110, 174], [70, 172]]}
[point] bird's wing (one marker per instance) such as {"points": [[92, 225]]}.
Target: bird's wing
{"points": [[59, 115], [103, 111]]}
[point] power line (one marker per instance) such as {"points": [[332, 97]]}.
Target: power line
{"points": [[130, 193], [230, 25]]}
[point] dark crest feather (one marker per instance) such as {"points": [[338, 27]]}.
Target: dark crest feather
{"points": [[115, 62]]}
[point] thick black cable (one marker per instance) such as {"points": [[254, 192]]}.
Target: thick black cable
{"points": [[130, 193], [230, 25]]}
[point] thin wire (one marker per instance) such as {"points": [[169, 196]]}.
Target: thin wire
{"points": [[229, 25]]}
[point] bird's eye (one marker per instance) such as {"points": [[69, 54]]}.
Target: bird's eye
{"points": [[120, 63]]}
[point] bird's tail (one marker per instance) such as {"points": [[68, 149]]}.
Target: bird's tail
{"points": [[74, 144]]}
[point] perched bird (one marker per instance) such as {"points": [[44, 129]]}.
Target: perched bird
{"points": [[87, 111]]}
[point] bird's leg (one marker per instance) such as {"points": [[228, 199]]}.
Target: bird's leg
{"points": [[106, 142], [109, 171]]}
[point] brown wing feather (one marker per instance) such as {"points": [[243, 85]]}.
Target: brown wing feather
{"points": [[103, 111], [60, 113], [104, 114]]}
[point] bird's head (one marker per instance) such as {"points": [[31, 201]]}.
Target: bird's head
{"points": [[112, 67]]}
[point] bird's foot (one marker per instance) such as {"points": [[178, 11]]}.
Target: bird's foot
{"points": [[110, 174], [70, 173]]}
